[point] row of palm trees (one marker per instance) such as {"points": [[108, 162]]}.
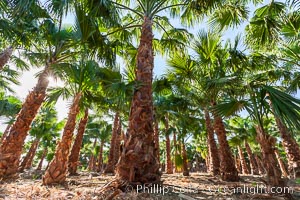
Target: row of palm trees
{"points": [[215, 81]]}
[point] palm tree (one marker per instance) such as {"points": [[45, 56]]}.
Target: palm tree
{"points": [[145, 168], [74, 154], [11, 148], [207, 75], [44, 124], [214, 162], [105, 132], [82, 80]]}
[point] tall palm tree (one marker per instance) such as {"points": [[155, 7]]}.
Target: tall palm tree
{"points": [[74, 154], [82, 80], [11, 149], [207, 75], [45, 124]]}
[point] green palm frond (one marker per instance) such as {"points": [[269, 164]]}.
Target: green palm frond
{"points": [[230, 108], [264, 27], [284, 106], [232, 14], [58, 92], [291, 27]]}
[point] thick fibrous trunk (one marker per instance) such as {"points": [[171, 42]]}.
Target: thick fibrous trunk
{"points": [[245, 169], [281, 164], [42, 159], [156, 141], [238, 164], [169, 168], [92, 161], [57, 170], [228, 170], [110, 167], [12, 145], [253, 164], [75, 152], [213, 153], [176, 153], [27, 161], [267, 143], [118, 143], [5, 57], [100, 157], [138, 164], [260, 165], [291, 148], [184, 159]]}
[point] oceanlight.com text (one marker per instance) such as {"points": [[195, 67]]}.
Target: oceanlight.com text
{"points": [[243, 189]]}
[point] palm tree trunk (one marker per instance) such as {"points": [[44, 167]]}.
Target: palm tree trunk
{"points": [[91, 165], [270, 163], [281, 164], [118, 143], [176, 153], [12, 145], [5, 57], [245, 169], [138, 163], [253, 164], [110, 167], [42, 159], [57, 170], [28, 159], [184, 159], [228, 170], [238, 164], [291, 148], [260, 165], [75, 152], [100, 157], [156, 141], [213, 153], [169, 168]]}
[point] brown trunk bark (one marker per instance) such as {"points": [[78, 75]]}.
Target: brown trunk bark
{"points": [[100, 157], [213, 153], [5, 57], [253, 164], [169, 167], [57, 170], [12, 145], [184, 160], [228, 170], [91, 165], [110, 167], [176, 153], [281, 164], [42, 159], [207, 163], [244, 166], [118, 143], [238, 164], [156, 141], [27, 161], [291, 148], [267, 143], [138, 164], [75, 152], [260, 165]]}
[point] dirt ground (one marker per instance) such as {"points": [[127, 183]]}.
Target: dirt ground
{"points": [[197, 186]]}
